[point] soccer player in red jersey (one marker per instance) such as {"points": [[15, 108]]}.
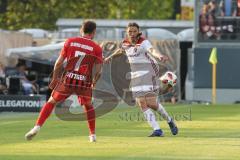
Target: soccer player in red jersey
{"points": [[83, 68]]}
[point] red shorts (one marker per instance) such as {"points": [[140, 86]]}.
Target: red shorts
{"points": [[62, 92]]}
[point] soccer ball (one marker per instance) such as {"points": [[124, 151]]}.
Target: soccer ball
{"points": [[169, 78]]}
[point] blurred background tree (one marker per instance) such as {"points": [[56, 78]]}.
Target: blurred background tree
{"points": [[17, 14]]}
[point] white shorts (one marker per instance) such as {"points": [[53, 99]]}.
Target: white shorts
{"points": [[144, 79]]}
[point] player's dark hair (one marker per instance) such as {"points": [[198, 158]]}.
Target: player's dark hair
{"points": [[134, 24], [88, 26]]}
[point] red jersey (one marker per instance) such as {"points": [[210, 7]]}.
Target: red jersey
{"points": [[81, 54]]}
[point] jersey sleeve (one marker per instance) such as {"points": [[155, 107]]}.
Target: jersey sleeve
{"points": [[65, 48], [99, 55], [147, 44]]}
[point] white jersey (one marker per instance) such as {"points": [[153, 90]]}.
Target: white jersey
{"points": [[144, 67], [138, 53]]}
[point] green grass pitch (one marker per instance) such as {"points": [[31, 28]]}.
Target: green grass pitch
{"points": [[206, 132]]}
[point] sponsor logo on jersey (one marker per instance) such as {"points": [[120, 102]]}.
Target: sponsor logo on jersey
{"points": [[74, 44]]}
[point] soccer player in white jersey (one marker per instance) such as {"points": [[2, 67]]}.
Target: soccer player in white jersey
{"points": [[144, 75]]}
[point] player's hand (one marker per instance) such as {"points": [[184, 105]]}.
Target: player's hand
{"points": [[107, 60], [163, 58], [93, 85], [53, 84]]}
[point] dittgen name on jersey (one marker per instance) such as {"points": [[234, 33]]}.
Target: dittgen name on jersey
{"points": [[76, 76], [74, 44]]}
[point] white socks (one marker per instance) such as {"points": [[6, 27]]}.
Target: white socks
{"points": [[151, 119], [163, 112]]}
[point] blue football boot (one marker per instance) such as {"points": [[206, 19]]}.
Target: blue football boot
{"points": [[173, 127], [157, 133]]}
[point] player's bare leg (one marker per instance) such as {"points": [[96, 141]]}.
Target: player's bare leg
{"points": [[43, 115]]}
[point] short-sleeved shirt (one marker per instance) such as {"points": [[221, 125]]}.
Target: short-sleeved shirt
{"points": [[80, 54], [144, 67], [137, 53]]}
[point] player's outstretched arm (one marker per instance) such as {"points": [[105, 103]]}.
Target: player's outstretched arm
{"points": [[117, 53], [158, 55]]}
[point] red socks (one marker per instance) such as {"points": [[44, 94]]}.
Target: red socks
{"points": [[45, 113], [48, 108], [90, 113]]}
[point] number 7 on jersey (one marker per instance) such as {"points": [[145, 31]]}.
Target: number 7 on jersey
{"points": [[81, 55]]}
